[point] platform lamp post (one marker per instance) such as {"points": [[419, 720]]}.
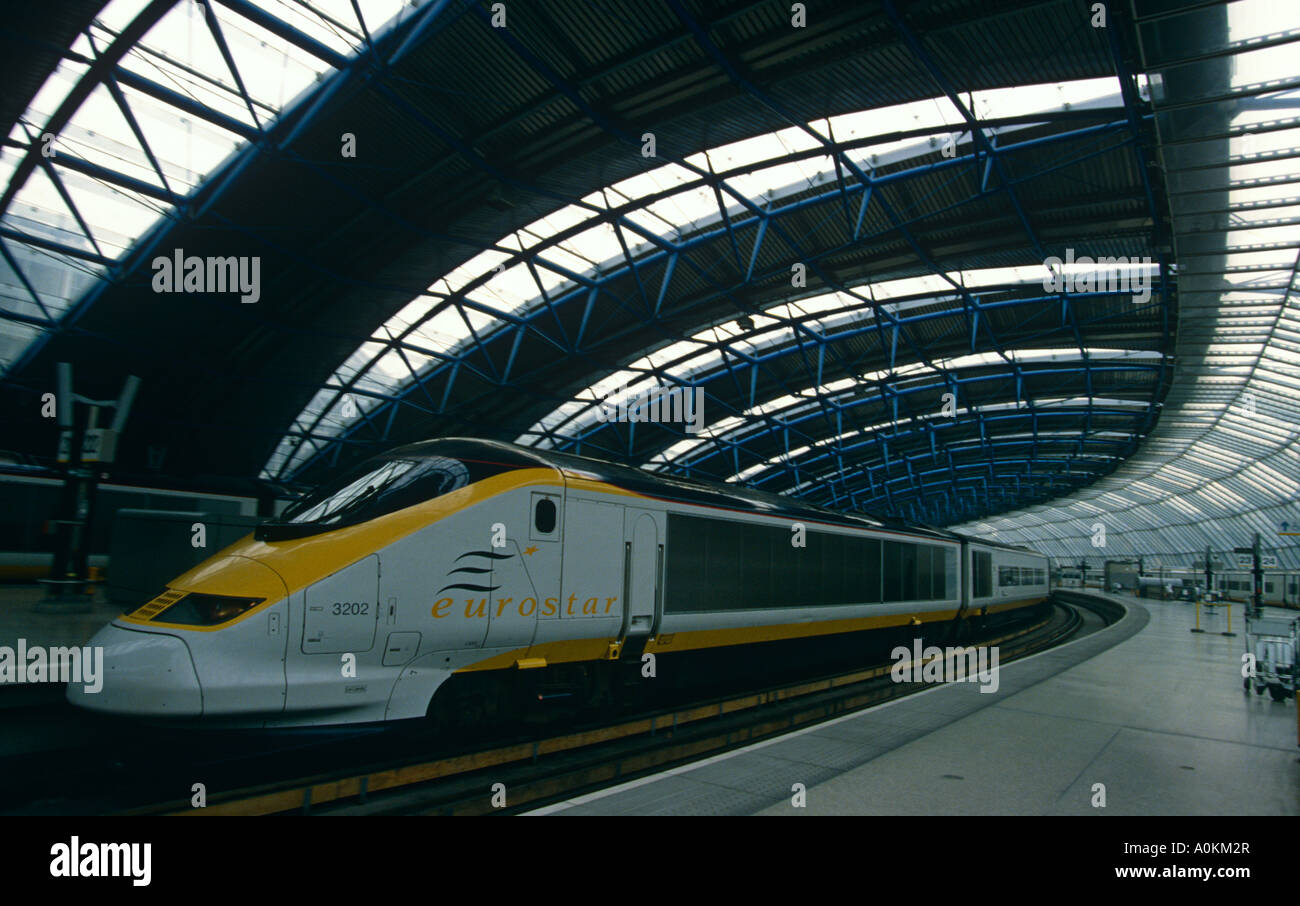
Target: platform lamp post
{"points": [[1257, 602], [1289, 582], [80, 462], [1209, 574]]}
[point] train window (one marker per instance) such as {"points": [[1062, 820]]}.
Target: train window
{"points": [[900, 571], [943, 560], [1006, 576], [545, 514], [376, 487], [911, 554], [382, 485], [756, 564], [724, 562], [982, 567], [785, 579], [687, 574], [716, 565], [936, 574], [924, 574], [808, 567], [873, 575], [834, 557], [892, 570]]}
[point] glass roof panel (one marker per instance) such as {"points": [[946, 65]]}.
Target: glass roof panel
{"points": [[757, 168], [180, 53]]}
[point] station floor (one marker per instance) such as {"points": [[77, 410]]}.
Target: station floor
{"points": [[1145, 712], [20, 620]]}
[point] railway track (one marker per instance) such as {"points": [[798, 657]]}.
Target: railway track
{"points": [[516, 776]]}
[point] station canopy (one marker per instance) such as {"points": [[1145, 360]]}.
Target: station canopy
{"points": [[991, 265]]}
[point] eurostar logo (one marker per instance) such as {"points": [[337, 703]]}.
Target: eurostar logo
{"points": [[576, 605], [549, 607], [474, 571]]}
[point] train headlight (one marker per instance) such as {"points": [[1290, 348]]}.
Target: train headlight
{"points": [[199, 609]]}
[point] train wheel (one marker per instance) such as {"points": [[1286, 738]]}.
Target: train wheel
{"points": [[437, 719], [1259, 690], [459, 711], [602, 698], [1278, 692]]}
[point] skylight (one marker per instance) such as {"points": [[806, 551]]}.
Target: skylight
{"points": [[667, 201], [179, 54]]}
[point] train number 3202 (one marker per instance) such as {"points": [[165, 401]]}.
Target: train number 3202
{"points": [[343, 609]]}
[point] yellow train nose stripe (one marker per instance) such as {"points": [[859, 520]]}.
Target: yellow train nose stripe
{"points": [[241, 569]]}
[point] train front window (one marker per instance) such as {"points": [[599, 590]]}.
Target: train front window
{"points": [[378, 487]]}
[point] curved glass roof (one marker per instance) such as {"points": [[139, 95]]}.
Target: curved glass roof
{"points": [[1224, 461], [580, 241], [156, 100], [101, 156], [688, 362]]}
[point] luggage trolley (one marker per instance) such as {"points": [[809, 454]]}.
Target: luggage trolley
{"points": [[1275, 642]]}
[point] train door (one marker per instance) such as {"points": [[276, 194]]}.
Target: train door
{"points": [[643, 554], [593, 563], [542, 558]]}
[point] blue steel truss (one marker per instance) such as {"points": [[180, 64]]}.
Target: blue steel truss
{"points": [[919, 467]]}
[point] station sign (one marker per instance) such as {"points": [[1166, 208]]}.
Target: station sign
{"points": [[1266, 561], [65, 446], [98, 445]]}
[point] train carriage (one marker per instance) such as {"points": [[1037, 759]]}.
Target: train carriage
{"points": [[464, 579]]}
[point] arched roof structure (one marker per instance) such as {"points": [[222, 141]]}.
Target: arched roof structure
{"points": [[842, 238]]}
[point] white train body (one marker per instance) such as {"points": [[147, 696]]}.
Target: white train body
{"points": [[458, 557]]}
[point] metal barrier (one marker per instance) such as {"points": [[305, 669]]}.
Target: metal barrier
{"points": [[1197, 627]]}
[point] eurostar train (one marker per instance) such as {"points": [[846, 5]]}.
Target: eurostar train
{"points": [[463, 580]]}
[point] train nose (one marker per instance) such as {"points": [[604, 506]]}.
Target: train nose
{"points": [[145, 673]]}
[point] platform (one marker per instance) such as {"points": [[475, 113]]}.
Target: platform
{"points": [[19, 620], [1146, 708]]}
